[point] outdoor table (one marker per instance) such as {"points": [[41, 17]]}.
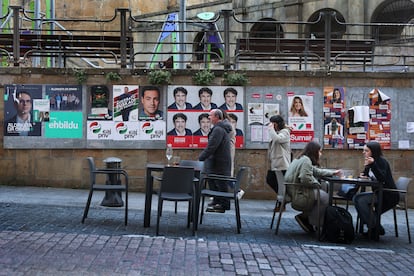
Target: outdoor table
{"points": [[363, 183], [149, 190]]}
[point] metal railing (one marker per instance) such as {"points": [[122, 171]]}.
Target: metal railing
{"points": [[220, 42]]}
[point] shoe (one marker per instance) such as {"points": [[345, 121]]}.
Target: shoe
{"points": [[304, 223], [375, 233], [216, 209], [278, 207], [211, 204], [381, 231]]}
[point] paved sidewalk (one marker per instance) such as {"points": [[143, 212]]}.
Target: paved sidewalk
{"points": [[41, 234]]}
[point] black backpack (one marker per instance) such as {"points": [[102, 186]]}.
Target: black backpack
{"points": [[338, 226]]}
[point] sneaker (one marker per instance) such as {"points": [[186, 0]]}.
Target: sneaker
{"points": [[304, 223], [216, 209]]}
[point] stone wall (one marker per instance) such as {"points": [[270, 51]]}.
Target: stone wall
{"points": [[68, 167]]}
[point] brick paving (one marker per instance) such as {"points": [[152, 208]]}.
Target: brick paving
{"points": [[41, 234]]}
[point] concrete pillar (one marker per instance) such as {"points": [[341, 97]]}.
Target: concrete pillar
{"points": [[356, 11]]}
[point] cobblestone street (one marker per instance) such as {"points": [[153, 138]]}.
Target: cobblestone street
{"points": [[41, 234]]}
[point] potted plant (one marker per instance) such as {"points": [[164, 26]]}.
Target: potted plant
{"points": [[159, 77], [235, 79], [113, 76], [80, 75], [203, 77]]}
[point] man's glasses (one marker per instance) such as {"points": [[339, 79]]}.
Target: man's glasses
{"points": [[25, 101]]}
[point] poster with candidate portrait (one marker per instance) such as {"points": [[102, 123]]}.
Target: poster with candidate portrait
{"points": [[126, 100], [188, 108], [18, 110], [334, 114], [151, 103], [300, 116], [100, 103], [380, 118]]}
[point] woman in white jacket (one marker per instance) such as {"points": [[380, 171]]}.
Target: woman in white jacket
{"points": [[279, 153]]}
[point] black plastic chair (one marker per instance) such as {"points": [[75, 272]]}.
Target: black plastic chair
{"points": [[233, 195], [401, 187], [198, 171], [177, 184], [121, 187]]}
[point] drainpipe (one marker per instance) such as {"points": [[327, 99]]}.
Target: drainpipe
{"points": [[123, 25], [16, 35], [328, 17], [226, 14]]}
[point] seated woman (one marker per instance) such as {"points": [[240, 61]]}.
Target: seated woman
{"points": [[305, 170], [376, 167]]}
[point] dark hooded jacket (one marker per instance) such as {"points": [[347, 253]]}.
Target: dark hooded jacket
{"points": [[382, 171], [217, 155]]}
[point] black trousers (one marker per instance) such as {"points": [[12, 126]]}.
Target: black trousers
{"points": [[221, 186]]}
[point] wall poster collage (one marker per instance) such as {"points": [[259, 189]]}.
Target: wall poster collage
{"points": [[334, 117], [181, 117], [125, 114], [360, 123]]}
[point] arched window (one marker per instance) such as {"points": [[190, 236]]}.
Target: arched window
{"points": [[392, 11], [266, 29], [317, 27]]}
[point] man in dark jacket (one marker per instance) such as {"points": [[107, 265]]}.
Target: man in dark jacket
{"points": [[217, 158]]}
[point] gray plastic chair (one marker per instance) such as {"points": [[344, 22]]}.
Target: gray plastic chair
{"points": [[177, 184], [93, 172]]}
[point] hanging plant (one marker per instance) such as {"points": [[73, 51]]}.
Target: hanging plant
{"points": [[159, 77], [203, 77], [80, 75], [235, 79], [113, 76]]}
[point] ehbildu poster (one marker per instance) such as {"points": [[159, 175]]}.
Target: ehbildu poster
{"points": [[50, 111]]}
